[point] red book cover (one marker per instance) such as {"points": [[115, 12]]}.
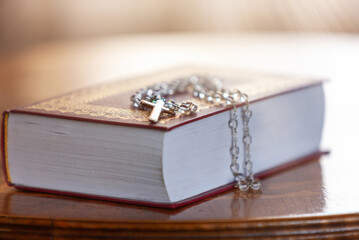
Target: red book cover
{"points": [[110, 103]]}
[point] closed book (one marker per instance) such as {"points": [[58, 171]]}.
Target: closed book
{"points": [[92, 143]]}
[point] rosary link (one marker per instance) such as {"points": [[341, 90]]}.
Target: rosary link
{"points": [[234, 150], [251, 182]]}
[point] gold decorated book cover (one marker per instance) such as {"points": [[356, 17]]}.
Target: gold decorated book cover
{"points": [[93, 143]]}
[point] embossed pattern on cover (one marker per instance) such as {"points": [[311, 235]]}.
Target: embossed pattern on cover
{"points": [[110, 102]]}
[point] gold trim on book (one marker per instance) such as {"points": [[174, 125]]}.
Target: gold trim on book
{"points": [[6, 117], [81, 102]]}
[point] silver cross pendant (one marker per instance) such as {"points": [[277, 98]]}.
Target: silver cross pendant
{"points": [[158, 108]]}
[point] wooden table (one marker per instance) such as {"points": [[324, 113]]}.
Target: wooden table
{"points": [[315, 200]]}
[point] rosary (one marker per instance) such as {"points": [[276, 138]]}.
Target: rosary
{"points": [[210, 90]]}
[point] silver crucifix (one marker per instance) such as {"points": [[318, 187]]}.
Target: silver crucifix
{"points": [[158, 108]]}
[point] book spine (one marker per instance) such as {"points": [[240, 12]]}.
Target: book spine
{"points": [[4, 133]]}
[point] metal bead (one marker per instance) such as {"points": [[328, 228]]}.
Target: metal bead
{"points": [[136, 105], [170, 91], [171, 101], [233, 123], [229, 103], [243, 98], [142, 91], [149, 92], [243, 186], [193, 79], [133, 98], [181, 86], [217, 98], [256, 185], [193, 108], [163, 85], [181, 110], [168, 105], [225, 93], [157, 97], [234, 150], [136, 97], [237, 178], [247, 139], [156, 86], [217, 81], [234, 168], [197, 88], [248, 113], [235, 93]]}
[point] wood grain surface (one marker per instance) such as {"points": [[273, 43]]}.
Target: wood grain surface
{"points": [[319, 199]]}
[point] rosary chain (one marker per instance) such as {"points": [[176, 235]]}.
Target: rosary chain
{"points": [[160, 90], [245, 180], [210, 90]]}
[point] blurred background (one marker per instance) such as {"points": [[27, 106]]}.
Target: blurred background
{"points": [[49, 47], [27, 23]]}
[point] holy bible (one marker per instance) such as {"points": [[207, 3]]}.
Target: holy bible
{"points": [[93, 143]]}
